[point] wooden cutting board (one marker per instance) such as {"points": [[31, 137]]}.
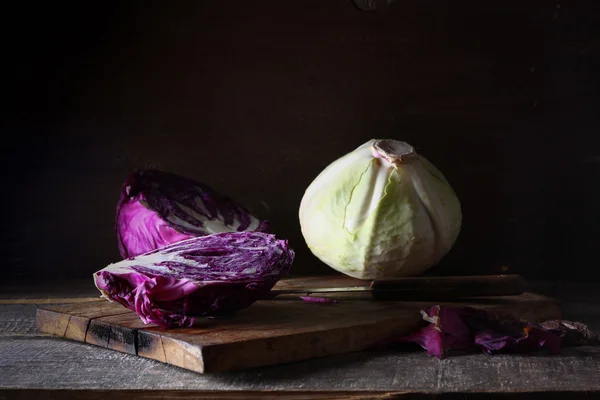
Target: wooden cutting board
{"points": [[269, 332]]}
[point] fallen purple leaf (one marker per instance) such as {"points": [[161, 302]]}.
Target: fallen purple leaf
{"points": [[469, 329]]}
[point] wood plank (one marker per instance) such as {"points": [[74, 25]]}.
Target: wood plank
{"points": [[297, 331], [190, 394], [72, 321], [116, 332], [53, 364], [46, 367], [292, 331], [17, 320], [269, 332], [288, 395]]}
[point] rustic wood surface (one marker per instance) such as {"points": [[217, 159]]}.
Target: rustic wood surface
{"points": [[31, 360], [269, 332], [42, 366]]}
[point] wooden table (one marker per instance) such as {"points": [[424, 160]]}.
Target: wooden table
{"points": [[35, 365]]}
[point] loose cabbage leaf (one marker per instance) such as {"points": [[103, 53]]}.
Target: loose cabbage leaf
{"points": [[205, 276], [451, 329], [446, 331], [157, 208]]}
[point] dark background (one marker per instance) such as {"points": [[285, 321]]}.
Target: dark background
{"points": [[256, 98]]}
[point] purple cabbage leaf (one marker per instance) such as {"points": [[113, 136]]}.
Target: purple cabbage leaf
{"points": [[202, 276], [158, 208], [468, 329]]}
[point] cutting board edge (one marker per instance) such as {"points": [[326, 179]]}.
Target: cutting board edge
{"points": [[212, 361], [200, 359]]}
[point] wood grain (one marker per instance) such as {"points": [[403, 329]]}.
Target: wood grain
{"points": [[117, 332], [282, 394], [39, 366], [274, 332], [52, 364], [17, 320], [269, 332], [73, 320]]}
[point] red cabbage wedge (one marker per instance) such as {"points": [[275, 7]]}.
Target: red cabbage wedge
{"points": [[158, 208], [211, 275]]}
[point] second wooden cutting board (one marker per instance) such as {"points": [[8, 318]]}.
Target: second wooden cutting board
{"points": [[267, 333]]}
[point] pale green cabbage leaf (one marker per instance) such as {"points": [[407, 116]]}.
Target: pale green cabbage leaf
{"points": [[380, 211]]}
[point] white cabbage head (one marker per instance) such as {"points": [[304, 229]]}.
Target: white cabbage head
{"points": [[381, 210]]}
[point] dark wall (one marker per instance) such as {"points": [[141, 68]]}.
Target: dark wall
{"points": [[256, 98]]}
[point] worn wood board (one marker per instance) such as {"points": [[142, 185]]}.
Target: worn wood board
{"points": [[267, 333]]}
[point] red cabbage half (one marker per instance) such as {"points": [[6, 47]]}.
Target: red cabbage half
{"points": [[158, 208], [211, 275]]}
